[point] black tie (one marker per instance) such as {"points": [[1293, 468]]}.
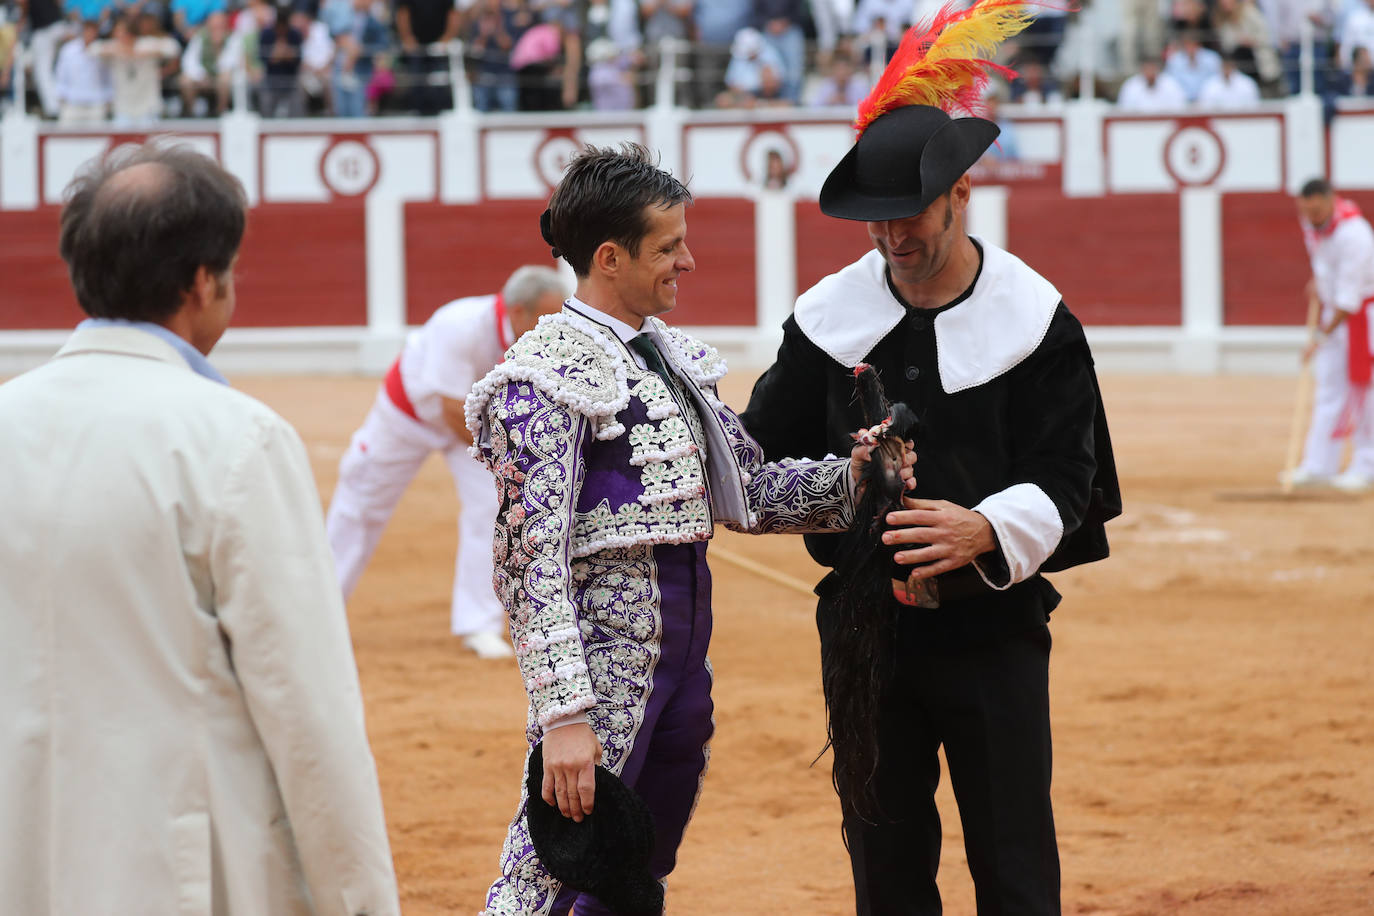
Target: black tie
{"points": [[644, 346]]}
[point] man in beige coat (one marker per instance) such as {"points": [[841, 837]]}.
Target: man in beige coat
{"points": [[181, 726]]}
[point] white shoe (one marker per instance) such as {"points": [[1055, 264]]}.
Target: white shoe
{"points": [[488, 645], [1300, 478], [1352, 482]]}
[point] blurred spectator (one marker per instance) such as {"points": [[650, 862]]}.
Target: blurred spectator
{"points": [[247, 26], [492, 34], [1006, 148], [336, 15], [98, 11], [188, 15], [151, 25], [776, 173], [1229, 90], [1358, 81], [842, 85], [1142, 32], [891, 17], [780, 23], [83, 82], [833, 21], [1242, 30], [9, 40], [355, 48], [135, 66], [550, 74], [208, 65], [1189, 16], [717, 23], [48, 29], [1356, 32], [1041, 39], [1191, 65], [382, 84], [1285, 19], [610, 76], [1151, 90], [616, 21], [1034, 87], [754, 77], [280, 46], [317, 56], [666, 19], [419, 24]]}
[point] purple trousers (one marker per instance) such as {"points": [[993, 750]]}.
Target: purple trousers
{"points": [[653, 729]]}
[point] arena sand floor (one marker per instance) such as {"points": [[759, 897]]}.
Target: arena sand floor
{"points": [[1212, 689]]}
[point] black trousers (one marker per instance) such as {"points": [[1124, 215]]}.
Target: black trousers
{"points": [[989, 706]]}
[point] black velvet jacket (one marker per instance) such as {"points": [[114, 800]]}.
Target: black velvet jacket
{"points": [[1041, 422]]}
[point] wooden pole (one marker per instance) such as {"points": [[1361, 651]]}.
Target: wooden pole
{"points": [[1300, 403]]}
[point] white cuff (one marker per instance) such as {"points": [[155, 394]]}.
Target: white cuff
{"points": [[572, 719], [1028, 530]]}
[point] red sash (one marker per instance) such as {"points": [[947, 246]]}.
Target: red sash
{"points": [[395, 387], [501, 323], [1359, 369], [396, 390]]}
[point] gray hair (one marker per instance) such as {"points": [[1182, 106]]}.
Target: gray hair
{"points": [[528, 283]]}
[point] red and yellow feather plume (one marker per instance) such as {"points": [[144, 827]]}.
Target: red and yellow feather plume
{"points": [[944, 64]]}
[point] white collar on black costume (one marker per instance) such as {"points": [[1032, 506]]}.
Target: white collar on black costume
{"points": [[1001, 322]]}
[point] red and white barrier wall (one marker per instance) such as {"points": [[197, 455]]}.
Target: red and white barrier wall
{"points": [[1174, 238]]}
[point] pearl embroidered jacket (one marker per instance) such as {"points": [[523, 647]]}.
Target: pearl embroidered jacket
{"points": [[593, 454]]}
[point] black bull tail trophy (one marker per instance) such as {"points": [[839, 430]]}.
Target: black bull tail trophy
{"points": [[858, 623]]}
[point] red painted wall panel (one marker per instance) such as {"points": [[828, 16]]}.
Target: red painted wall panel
{"points": [[720, 234], [825, 244], [1266, 264], [301, 265], [469, 250], [1114, 259], [35, 293]]}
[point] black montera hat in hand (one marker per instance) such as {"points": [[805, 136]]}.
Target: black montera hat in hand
{"points": [[607, 854], [910, 151], [903, 161]]}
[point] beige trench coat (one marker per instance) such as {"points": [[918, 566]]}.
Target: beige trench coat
{"points": [[181, 727]]}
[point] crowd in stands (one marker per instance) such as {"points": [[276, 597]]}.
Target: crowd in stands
{"points": [[135, 61]]}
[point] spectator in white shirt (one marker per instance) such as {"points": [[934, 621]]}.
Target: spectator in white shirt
{"points": [[1229, 90], [1358, 32], [135, 65], [317, 58], [1151, 90], [1191, 65], [83, 83], [755, 75]]}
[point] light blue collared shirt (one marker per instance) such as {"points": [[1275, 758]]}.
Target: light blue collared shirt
{"points": [[194, 358]]}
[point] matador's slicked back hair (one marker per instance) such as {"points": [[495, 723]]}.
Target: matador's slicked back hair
{"points": [[603, 198]]}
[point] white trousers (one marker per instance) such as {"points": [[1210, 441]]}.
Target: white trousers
{"points": [[381, 461], [1321, 456]]}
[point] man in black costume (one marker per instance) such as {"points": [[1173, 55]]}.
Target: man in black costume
{"points": [[1015, 477]]}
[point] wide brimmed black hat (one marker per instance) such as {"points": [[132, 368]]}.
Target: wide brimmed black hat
{"points": [[607, 854], [902, 162]]}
